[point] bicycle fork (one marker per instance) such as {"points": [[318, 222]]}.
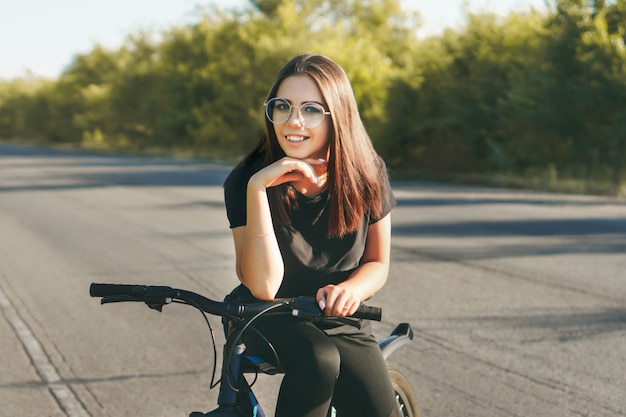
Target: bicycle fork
{"points": [[235, 398]]}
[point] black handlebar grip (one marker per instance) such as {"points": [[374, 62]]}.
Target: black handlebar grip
{"points": [[368, 313], [104, 290]]}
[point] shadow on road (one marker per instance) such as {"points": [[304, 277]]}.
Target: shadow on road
{"points": [[559, 326], [65, 170], [539, 227]]}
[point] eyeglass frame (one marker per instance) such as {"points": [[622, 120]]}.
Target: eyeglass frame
{"points": [[299, 113]]}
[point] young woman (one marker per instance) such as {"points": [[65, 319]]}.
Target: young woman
{"points": [[309, 213]]}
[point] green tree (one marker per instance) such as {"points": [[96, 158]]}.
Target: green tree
{"points": [[523, 94]]}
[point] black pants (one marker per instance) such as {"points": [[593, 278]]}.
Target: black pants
{"points": [[347, 369]]}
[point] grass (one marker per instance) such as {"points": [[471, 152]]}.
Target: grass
{"points": [[536, 182]]}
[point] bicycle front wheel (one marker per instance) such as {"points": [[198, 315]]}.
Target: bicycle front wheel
{"points": [[404, 393]]}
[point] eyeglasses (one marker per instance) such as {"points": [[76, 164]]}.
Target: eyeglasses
{"points": [[311, 115]]}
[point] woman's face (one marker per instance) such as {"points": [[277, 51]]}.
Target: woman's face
{"points": [[296, 139]]}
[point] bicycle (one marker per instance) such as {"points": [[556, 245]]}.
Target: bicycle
{"points": [[236, 398]]}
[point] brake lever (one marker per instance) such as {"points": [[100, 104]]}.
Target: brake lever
{"points": [[308, 308], [305, 307], [118, 299], [154, 303]]}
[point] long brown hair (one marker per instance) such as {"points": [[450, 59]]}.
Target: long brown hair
{"points": [[355, 178]]}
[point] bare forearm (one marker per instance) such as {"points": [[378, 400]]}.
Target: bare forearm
{"points": [[259, 261], [367, 279], [260, 265], [343, 299]]}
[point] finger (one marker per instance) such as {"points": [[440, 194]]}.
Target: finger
{"points": [[321, 299], [302, 166], [285, 178], [312, 175], [289, 177], [330, 300], [319, 166], [285, 170], [345, 304], [311, 165], [338, 306], [353, 307], [315, 161]]}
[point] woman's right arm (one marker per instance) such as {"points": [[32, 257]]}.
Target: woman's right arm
{"points": [[258, 260], [259, 263]]}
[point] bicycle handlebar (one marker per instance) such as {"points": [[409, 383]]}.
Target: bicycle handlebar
{"points": [[156, 296]]}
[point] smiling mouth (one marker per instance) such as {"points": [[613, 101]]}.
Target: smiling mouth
{"points": [[296, 138]]}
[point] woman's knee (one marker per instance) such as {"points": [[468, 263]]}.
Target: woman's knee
{"points": [[321, 359], [302, 346]]}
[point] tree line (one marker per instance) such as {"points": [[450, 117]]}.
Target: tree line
{"points": [[529, 95]]}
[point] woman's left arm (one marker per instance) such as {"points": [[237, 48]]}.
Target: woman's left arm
{"points": [[344, 298]]}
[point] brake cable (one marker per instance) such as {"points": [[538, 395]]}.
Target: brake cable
{"points": [[239, 335]]}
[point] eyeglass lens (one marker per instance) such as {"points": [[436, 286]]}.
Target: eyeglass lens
{"points": [[279, 111]]}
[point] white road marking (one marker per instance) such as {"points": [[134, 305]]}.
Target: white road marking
{"points": [[60, 390]]}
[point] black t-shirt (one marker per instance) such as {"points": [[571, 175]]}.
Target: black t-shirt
{"points": [[311, 259]]}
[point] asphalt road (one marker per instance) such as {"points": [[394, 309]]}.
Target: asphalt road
{"points": [[517, 299]]}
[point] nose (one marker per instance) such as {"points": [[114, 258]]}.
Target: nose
{"points": [[294, 118]]}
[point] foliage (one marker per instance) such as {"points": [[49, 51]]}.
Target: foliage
{"points": [[517, 95]]}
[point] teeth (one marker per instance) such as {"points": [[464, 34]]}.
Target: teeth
{"points": [[294, 138]]}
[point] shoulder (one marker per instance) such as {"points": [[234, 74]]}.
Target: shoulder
{"points": [[241, 173], [388, 200], [235, 188], [382, 166]]}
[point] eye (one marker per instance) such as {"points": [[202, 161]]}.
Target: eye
{"points": [[282, 106], [312, 109]]}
